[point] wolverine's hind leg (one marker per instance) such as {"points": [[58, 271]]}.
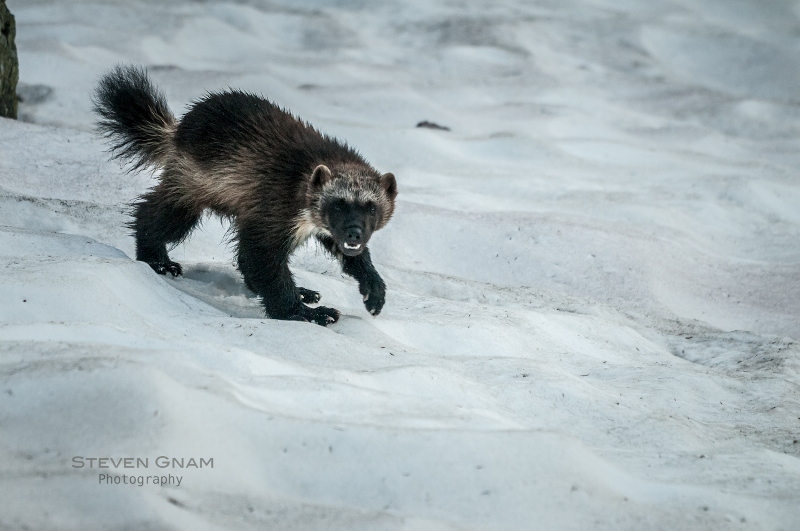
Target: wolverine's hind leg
{"points": [[160, 220]]}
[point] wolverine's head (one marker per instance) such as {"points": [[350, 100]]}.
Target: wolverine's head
{"points": [[351, 201]]}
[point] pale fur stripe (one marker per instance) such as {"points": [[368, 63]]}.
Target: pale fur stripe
{"points": [[304, 228]]}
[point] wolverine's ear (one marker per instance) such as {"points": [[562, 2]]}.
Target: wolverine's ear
{"points": [[389, 183], [320, 177]]}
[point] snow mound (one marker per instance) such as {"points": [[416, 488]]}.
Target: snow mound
{"points": [[593, 277]]}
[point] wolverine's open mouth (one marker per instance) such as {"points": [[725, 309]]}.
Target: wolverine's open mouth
{"points": [[352, 247]]}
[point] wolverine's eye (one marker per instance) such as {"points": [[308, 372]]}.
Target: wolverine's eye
{"points": [[372, 209]]}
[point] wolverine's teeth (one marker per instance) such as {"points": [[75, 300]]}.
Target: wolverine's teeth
{"points": [[352, 247]]}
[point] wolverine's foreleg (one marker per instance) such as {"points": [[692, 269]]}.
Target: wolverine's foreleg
{"points": [[265, 269], [160, 220], [360, 267]]}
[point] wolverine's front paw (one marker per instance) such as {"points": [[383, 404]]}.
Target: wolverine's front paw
{"points": [[321, 315], [308, 296], [374, 291], [162, 268]]}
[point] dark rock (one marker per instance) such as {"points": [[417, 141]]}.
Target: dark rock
{"points": [[431, 125], [9, 66]]}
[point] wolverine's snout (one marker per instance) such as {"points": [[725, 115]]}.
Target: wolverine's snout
{"points": [[353, 235], [354, 241]]}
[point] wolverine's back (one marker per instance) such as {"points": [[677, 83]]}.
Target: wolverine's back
{"points": [[235, 124]]}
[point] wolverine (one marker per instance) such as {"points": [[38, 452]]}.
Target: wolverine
{"points": [[275, 177]]}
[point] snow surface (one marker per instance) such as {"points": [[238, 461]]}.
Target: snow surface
{"points": [[593, 278]]}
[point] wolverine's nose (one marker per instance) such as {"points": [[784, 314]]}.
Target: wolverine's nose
{"points": [[353, 235]]}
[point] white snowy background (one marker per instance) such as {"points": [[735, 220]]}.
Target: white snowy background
{"points": [[593, 278]]}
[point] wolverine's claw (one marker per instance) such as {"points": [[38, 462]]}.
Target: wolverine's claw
{"points": [[308, 296], [162, 268]]}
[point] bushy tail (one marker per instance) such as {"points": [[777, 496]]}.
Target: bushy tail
{"points": [[134, 116]]}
